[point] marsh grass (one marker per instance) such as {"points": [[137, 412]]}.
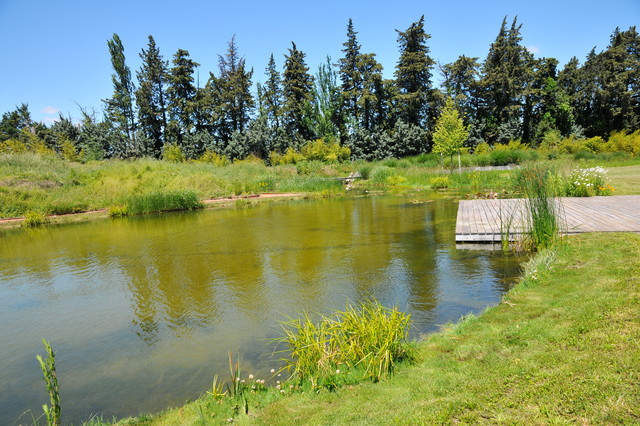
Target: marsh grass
{"points": [[48, 366], [156, 202], [370, 338]]}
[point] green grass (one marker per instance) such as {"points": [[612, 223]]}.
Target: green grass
{"points": [[156, 202], [562, 347]]}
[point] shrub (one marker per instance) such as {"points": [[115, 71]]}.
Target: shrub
{"points": [[212, 157], [587, 182], [34, 219], [439, 182], [380, 174], [624, 142], [173, 153]]}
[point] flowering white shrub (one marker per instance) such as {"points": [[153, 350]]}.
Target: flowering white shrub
{"points": [[587, 182]]}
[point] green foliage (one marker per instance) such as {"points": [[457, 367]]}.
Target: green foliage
{"points": [[439, 182], [33, 219], [173, 153], [12, 146], [370, 337], [156, 202], [450, 132], [119, 211], [297, 86], [210, 156], [586, 182], [48, 366]]}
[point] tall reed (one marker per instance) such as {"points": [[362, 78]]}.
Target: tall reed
{"points": [[542, 208], [162, 202]]}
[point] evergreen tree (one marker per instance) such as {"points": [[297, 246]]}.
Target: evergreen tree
{"points": [[371, 97], [14, 122], [232, 99], [151, 96], [181, 96], [297, 87], [119, 108], [413, 74], [506, 74], [272, 95], [350, 75]]}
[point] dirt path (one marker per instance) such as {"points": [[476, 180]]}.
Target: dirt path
{"points": [[102, 213]]}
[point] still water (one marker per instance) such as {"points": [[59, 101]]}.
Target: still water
{"points": [[142, 312]]}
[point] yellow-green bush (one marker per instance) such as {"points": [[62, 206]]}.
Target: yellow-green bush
{"points": [[289, 157], [12, 146], [173, 153], [624, 142], [210, 156], [482, 148], [324, 151]]}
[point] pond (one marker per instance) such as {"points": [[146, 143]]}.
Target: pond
{"points": [[143, 311]]}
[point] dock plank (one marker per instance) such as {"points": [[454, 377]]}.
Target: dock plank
{"points": [[480, 220]]}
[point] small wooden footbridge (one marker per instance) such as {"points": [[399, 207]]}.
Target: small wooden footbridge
{"points": [[485, 221]]}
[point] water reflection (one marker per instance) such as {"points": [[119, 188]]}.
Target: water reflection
{"points": [[142, 311]]}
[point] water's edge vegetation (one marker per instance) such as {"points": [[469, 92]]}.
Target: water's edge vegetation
{"points": [[560, 347]]}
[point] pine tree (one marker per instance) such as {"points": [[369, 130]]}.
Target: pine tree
{"points": [[297, 86], [151, 95], [233, 102], [413, 74], [272, 95], [506, 74], [181, 96], [351, 76], [119, 108]]}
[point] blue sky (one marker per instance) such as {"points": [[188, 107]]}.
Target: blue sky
{"points": [[55, 57]]}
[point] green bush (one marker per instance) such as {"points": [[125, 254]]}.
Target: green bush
{"points": [[173, 153], [34, 219]]}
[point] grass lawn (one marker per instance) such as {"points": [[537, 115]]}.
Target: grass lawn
{"points": [[625, 179]]}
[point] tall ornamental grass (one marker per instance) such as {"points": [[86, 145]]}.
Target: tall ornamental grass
{"points": [[542, 210], [370, 339]]}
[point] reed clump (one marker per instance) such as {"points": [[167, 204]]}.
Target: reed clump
{"points": [[371, 339], [156, 202]]}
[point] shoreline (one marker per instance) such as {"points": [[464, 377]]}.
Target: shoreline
{"points": [[209, 203]]}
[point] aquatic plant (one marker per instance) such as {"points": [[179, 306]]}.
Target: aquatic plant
{"points": [[48, 366]]}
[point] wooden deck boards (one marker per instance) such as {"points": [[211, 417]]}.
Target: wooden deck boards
{"points": [[481, 220]]}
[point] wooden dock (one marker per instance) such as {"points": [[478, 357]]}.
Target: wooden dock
{"points": [[481, 221]]}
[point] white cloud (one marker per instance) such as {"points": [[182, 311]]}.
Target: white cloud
{"points": [[533, 49], [49, 110], [49, 120]]}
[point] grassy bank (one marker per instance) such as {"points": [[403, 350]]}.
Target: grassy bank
{"points": [[53, 186], [562, 347]]}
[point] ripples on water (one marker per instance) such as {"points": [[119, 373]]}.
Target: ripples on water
{"points": [[142, 312]]}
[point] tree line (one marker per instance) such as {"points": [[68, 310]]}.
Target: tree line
{"points": [[511, 95]]}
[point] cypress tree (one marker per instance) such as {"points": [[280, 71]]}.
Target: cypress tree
{"points": [[413, 74], [297, 86], [351, 76], [272, 95], [151, 96], [181, 95]]}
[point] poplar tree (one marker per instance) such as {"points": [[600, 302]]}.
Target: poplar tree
{"points": [[297, 85], [119, 108], [181, 95], [413, 74], [151, 96]]}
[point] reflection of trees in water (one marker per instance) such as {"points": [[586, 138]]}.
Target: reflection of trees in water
{"points": [[189, 271]]}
